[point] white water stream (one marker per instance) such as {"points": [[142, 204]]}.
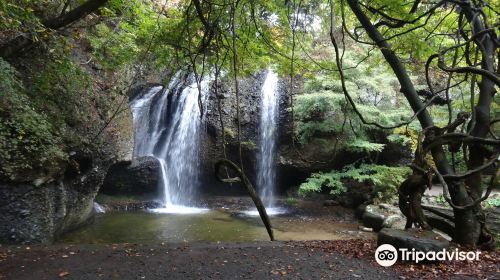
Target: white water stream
{"points": [[167, 126]]}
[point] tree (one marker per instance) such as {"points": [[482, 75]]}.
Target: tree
{"points": [[453, 44], [274, 31], [465, 189], [20, 43]]}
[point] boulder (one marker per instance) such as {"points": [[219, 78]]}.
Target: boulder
{"points": [[373, 220], [419, 240], [33, 213], [137, 177], [441, 224], [391, 221], [360, 210]]}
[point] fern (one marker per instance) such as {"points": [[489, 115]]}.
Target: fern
{"points": [[360, 145], [385, 179]]}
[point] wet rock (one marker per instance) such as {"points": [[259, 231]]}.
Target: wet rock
{"points": [[38, 214], [447, 225], [360, 210], [373, 220], [441, 224], [132, 205], [390, 221], [25, 213], [132, 178], [139, 90], [425, 241], [385, 206]]}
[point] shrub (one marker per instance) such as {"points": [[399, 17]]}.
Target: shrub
{"points": [[386, 179]]}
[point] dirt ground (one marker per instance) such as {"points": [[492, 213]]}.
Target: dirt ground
{"points": [[344, 259], [260, 260]]}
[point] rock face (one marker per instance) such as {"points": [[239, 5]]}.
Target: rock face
{"points": [[136, 177], [57, 196], [250, 109], [294, 163], [39, 210], [38, 214], [425, 241]]}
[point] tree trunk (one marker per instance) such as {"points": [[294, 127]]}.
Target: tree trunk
{"points": [[242, 178], [468, 226], [77, 13], [482, 120], [21, 43]]}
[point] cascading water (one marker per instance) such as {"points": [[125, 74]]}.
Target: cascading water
{"points": [[266, 173], [266, 158], [166, 124]]}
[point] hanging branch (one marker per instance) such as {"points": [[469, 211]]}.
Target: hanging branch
{"points": [[219, 105], [446, 192], [234, 3], [295, 12]]}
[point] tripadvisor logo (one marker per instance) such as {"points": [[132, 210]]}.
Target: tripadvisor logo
{"points": [[387, 255]]}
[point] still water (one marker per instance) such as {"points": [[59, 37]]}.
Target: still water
{"points": [[211, 226]]}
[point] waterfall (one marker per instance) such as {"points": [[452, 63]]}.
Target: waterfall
{"points": [[167, 126], [266, 158], [98, 208]]}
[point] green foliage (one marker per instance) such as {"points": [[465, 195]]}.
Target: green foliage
{"points": [[399, 138], [360, 145], [492, 202], [19, 16], [291, 201], [114, 49], [441, 200], [137, 33], [230, 133], [61, 89], [323, 112], [318, 181], [316, 115], [27, 138], [385, 179]]}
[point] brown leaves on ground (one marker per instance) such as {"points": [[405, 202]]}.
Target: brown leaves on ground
{"points": [[488, 266]]}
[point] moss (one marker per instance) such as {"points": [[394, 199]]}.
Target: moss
{"points": [[50, 105], [250, 145], [230, 133], [28, 140]]}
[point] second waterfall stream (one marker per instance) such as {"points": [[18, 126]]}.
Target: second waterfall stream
{"points": [[267, 142]]}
